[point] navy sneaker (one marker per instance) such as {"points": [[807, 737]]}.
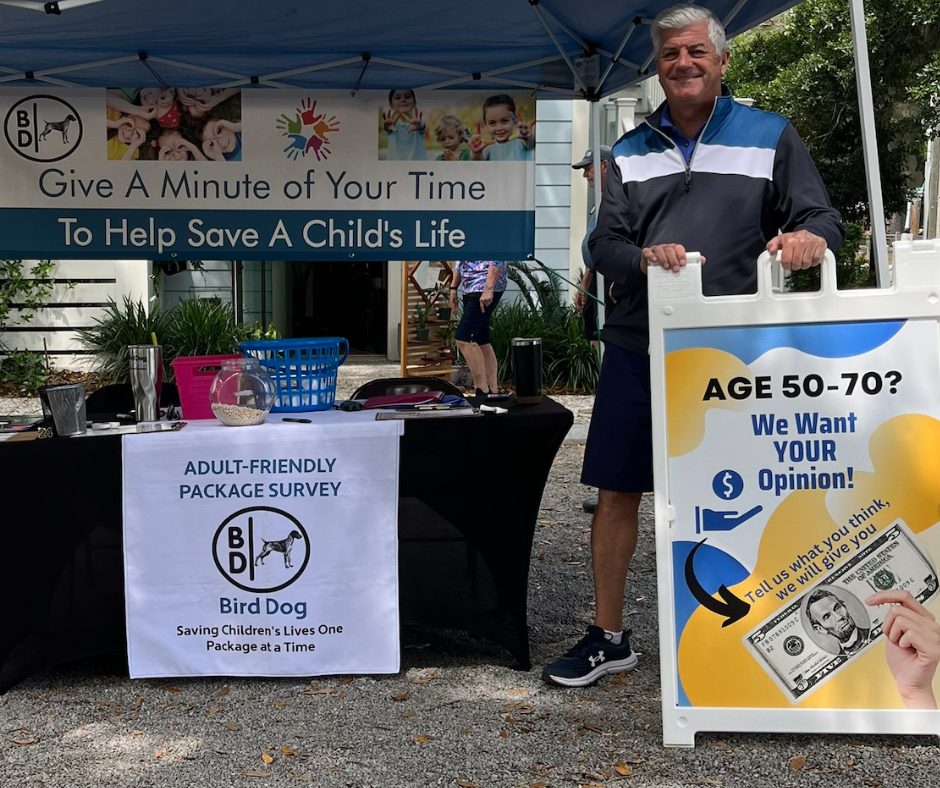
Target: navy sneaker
{"points": [[593, 656]]}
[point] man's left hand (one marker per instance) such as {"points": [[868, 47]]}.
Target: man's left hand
{"points": [[798, 250]]}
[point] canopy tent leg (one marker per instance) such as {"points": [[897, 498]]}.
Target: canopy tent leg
{"points": [[879, 241], [596, 148]]}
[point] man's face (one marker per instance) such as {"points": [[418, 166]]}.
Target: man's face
{"points": [[689, 68], [589, 174], [830, 616]]}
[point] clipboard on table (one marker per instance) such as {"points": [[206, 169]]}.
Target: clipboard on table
{"points": [[406, 401]]}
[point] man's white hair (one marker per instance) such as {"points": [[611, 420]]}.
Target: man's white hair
{"points": [[678, 16]]}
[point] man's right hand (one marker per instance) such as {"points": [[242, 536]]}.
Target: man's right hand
{"points": [[912, 648], [670, 257]]}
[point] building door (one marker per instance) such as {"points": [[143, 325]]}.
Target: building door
{"points": [[341, 299]]}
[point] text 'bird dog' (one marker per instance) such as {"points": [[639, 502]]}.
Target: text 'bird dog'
{"points": [[279, 546]]}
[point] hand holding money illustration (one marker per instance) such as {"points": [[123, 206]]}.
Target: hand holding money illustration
{"points": [[912, 647]]}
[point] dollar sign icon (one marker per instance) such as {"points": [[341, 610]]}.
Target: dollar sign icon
{"points": [[727, 484]]}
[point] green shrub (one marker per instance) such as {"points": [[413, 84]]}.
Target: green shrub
{"points": [[195, 327], [205, 327], [569, 362], [126, 324], [23, 367], [852, 270]]}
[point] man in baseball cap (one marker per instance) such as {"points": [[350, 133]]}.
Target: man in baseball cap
{"points": [[588, 160], [587, 306]]}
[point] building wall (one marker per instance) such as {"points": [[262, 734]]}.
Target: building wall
{"points": [[553, 192], [214, 280], [81, 292]]}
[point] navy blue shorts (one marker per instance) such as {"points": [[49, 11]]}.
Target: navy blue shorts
{"points": [[619, 451], [474, 323]]}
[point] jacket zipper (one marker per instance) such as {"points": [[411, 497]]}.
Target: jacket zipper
{"points": [[688, 167]]}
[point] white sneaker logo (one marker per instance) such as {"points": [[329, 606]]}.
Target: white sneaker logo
{"points": [[599, 658]]}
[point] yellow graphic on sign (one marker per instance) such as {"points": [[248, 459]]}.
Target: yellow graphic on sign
{"points": [[822, 529]]}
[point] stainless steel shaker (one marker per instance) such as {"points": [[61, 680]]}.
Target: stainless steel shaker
{"points": [[146, 371]]}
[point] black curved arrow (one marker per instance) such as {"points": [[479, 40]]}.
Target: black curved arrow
{"points": [[733, 609]]}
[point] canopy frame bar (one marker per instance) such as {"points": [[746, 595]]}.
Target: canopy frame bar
{"points": [[616, 56], [542, 18]]}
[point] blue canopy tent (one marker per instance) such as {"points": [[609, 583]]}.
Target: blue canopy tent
{"points": [[556, 48]]}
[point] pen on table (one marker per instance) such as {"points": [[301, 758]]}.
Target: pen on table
{"points": [[296, 421]]}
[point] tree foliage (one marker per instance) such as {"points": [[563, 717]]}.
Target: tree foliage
{"points": [[802, 66]]}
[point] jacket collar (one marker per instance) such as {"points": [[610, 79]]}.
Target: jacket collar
{"points": [[723, 105]]}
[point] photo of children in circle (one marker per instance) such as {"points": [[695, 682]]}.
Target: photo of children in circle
{"points": [[442, 130], [174, 124]]}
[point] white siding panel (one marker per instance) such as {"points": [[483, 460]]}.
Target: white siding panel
{"points": [[551, 238], [556, 259], [553, 174], [554, 153], [551, 131], [554, 109], [553, 196], [556, 217]]}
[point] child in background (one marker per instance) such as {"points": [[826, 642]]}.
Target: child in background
{"points": [[198, 102], [221, 140], [452, 134], [126, 101], [126, 133], [404, 127], [171, 145], [162, 102], [501, 120]]}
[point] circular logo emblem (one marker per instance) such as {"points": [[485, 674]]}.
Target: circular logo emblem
{"points": [[261, 549], [727, 485], [883, 580], [793, 645], [43, 128]]}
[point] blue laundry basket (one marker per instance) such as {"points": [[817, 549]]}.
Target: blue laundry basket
{"points": [[303, 370]]}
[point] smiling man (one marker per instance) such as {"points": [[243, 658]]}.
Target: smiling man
{"points": [[702, 174]]}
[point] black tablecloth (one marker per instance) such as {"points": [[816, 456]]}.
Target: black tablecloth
{"points": [[469, 494]]}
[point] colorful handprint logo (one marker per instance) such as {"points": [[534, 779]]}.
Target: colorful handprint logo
{"points": [[307, 132]]}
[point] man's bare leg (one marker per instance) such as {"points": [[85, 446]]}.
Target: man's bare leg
{"points": [[613, 542]]}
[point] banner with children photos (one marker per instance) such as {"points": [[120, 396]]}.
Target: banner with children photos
{"points": [[201, 173], [270, 551]]}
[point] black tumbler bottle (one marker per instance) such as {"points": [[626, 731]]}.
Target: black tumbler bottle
{"points": [[527, 367]]}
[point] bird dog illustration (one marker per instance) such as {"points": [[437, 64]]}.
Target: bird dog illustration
{"points": [[61, 126], [279, 546]]}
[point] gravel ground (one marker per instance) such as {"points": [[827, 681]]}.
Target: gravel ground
{"points": [[458, 713]]}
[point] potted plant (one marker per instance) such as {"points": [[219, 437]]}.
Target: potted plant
{"points": [[423, 311]]}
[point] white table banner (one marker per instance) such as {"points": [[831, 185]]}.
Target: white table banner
{"points": [[269, 551]]}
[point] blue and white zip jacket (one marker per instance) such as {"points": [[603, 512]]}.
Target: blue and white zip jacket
{"points": [[749, 179]]}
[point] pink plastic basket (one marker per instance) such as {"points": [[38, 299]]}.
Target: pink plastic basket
{"points": [[194, 376]]}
